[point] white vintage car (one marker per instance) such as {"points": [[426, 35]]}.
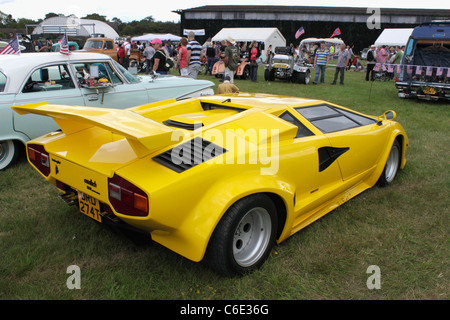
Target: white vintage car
{"points": [[74, 80]]}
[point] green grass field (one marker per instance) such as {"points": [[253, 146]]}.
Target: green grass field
{"points": [[403, 229]]}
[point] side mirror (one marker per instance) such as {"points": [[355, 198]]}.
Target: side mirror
{"points": [[388, 115]]}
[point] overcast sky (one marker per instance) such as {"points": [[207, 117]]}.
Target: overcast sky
{"points": [[138, 10]]}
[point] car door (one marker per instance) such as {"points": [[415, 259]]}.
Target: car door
{"points": [[301, 161], [50, 83], [118, 92], [356, 141]]}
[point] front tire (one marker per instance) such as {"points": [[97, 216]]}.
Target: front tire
{"points": [[304, 78], [392, 165], [244, 237], [9, 152]]}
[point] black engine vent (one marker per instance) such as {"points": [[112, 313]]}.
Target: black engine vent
{"points": [[189, 154], [182, 125]]}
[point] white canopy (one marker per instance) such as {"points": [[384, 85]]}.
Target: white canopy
{"points": [[163, 37], [74, 26], [333, 41], [394, 37], [269, 36]]}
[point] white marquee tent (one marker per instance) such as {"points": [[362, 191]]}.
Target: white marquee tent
{"points": [[74, 26], [163, 37], [394, 37], [268, 36]]}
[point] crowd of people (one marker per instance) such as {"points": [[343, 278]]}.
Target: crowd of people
{"points": [[383, 55], [189, 56]]}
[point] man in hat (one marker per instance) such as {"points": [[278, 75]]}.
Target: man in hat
{"points": [[231, 58], [371, 60]]}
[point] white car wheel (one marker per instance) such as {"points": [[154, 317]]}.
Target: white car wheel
{"points": [[8, 153]]}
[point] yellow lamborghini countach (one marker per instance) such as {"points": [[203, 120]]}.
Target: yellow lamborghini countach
{"points": [[218, 178]]}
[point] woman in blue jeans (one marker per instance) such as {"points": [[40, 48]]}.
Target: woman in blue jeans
{"points": [[254, 53]]}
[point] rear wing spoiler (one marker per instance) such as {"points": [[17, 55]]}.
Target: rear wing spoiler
{"points": [[143, 134]]}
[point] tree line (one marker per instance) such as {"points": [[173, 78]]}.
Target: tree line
{"points": [[132, 28]]}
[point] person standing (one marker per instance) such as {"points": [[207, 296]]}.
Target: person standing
{"points": [[231, 58], [349, 64], [254, 53], [194, 56], [159, 59], [211, 57], [343, 56], [148, 53], [127, 48], [321, 63], [182, 55], [371, 59]]}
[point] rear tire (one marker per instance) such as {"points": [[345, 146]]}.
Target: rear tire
{"points": [[392, 165], [9, 152], [244, 237]]}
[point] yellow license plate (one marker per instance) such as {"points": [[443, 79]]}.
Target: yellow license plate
{"points": [[283, 66], [430, 90], [89, 206]]}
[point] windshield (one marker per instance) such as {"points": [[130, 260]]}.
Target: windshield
{"points": [[280, 58], [93, 44], [125, 72]]}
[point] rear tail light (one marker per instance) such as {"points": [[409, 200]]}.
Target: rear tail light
{"points": [[126, 198], [39, 158]]}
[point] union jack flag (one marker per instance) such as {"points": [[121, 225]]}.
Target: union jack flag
{"points": [[64, 45], [12, 47]]}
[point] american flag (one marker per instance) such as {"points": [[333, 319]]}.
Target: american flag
{"points": [[299, 32], [64, 45], [12, 47]]}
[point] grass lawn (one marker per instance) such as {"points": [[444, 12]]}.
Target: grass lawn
{"points": [[403, 229]]}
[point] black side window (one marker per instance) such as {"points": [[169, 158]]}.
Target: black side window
{"points": [[330, 119], [302, 130]]}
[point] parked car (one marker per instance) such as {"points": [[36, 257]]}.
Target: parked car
{"points": [[364, 53], [72, 46], [101, 45], [426, 63], [284, 66], [219, 178], [60, 79]]}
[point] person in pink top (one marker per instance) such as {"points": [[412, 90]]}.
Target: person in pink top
{"points": [[182, 57], [382, 54]]}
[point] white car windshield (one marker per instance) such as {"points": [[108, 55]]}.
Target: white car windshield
{"points": [[93, 44]]}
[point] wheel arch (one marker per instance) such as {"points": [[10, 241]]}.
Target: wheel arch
{"points": [[192, 237]]}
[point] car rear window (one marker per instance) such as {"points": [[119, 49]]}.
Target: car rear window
{"points": [[2, 82], [328, 118]]}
